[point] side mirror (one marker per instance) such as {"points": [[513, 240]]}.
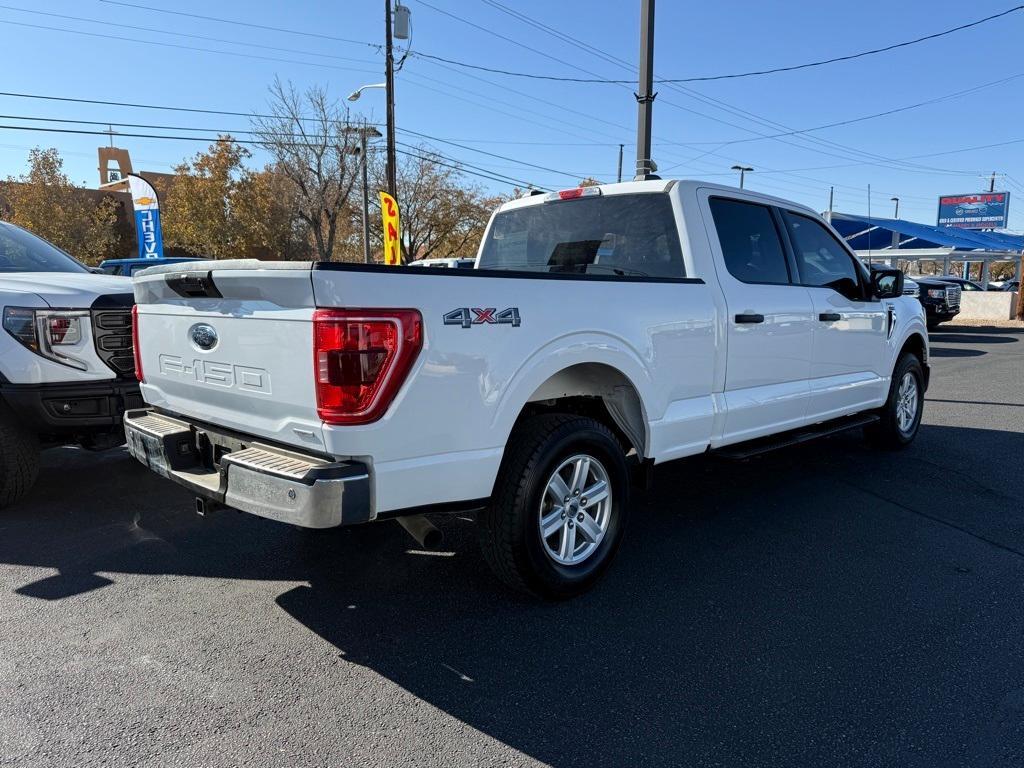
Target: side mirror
{"points": [[887, 283]]}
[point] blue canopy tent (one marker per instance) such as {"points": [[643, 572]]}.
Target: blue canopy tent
{"points": [[891, 239], [863, 233]]}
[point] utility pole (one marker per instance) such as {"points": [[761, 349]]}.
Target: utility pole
{"points": [[645, 97], [992, 183], [831, 198], [620, 160], [390, 95]]}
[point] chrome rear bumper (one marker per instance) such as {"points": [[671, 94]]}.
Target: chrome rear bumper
{"points": [[240, 472]]}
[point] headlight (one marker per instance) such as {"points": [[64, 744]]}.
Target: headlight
{"points": [[45, 331], [937, 293]]}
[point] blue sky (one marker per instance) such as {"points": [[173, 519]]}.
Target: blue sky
{"points": [[568, 130]]}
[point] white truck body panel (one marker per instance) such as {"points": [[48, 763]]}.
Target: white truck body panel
{"points": [[700, 379]]}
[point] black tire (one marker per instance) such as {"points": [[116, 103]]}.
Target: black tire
{"points": [[886, 433], [932, 324], [509, 528], [19, 459]]}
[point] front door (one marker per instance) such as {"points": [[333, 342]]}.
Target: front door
{"points": [[849, 327]]}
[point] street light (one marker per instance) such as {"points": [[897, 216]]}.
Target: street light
{"points": [[743, 169], [354, 96], [365, 133], [896, 200]]}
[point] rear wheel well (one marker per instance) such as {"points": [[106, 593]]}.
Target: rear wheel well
{"points": [[599, 392]]}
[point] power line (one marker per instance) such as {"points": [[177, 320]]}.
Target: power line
{"points": [[226, 131], [122, 39], [250, 115], [186, 34], [716, 103], [704, 78], [709, 78], [459, 166], [467, 168], [133, 105], [238, 23], [260, 133], [523, 17], [863, 118]]}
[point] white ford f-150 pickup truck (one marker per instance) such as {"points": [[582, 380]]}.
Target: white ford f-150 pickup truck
{"points": [[603, 329], [66, 371]]}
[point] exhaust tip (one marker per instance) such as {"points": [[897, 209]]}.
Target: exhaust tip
{"points": [[427, 535]]}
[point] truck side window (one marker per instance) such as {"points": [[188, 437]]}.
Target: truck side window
{"points": [[820, 259], [750, 241], [632, 235]]}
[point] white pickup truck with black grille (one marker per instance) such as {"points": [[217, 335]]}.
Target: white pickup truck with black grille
{"points": [[66, 363]]}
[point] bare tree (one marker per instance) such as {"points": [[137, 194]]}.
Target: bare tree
{"points": [[313, 142]]}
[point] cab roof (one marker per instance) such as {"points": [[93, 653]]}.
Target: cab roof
{"points": [[684, 187]]}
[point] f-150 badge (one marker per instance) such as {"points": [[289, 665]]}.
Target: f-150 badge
{"points": [[467, 317]]}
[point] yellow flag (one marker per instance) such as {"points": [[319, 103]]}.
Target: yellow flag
{"points": [[392, 229]]}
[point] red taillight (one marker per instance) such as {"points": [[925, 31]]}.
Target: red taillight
{"points": [[136, 351], [361, 357]]}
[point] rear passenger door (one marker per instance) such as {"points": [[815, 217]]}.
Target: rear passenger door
{"points": [[850, 328], [769, 322]]}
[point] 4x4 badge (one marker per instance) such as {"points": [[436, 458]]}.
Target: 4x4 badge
{"points": [[467, 317]]}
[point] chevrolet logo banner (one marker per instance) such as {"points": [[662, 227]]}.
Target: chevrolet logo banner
{"points": [[147, 218]]}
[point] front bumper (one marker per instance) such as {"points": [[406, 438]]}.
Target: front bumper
{"points": [[241, 472], [72, 408], [941, 311]]}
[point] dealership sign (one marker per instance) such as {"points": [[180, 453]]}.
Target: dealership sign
{"points": [[984, 210]]}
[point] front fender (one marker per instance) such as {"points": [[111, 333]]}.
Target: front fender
{"points": [[909, 323]]}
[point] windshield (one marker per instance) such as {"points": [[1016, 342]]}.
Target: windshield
{"points": [[628, 235], [21, 251]]}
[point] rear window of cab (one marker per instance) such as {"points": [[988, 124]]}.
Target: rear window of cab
{"points": [[631, 235]]}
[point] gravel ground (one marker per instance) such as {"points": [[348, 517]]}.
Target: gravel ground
{"points": [[825, 605]]}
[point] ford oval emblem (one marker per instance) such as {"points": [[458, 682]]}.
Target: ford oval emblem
{"points": [[203, 336]]}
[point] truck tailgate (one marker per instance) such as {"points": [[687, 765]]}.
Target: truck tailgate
{"points": [[231, 343]]}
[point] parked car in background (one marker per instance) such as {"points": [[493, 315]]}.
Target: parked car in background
{"points": [[965, 285], [444, 263], [940, 298], [607, 327], [67, 370], [1011, 285], [129, 267]]}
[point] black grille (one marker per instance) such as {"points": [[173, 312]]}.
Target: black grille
{"points": [[112, 333]]}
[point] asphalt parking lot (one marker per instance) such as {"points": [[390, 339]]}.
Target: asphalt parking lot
{"points": [[826, 605]]}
